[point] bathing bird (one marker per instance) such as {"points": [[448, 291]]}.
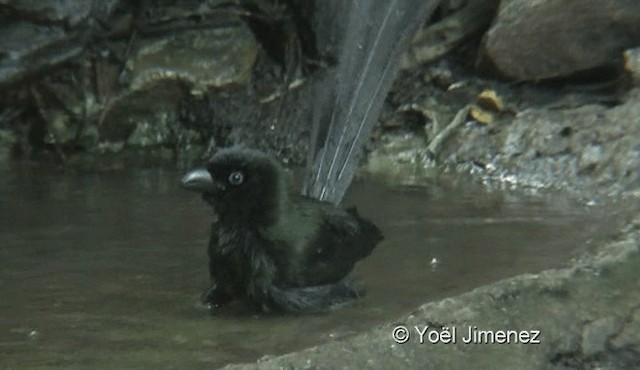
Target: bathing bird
{"points": [[272, 248]]}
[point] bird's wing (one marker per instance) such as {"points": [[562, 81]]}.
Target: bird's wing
{"points": [[342, 239]]}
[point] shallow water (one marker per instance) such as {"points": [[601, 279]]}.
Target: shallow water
{"points": [[105, 270]]}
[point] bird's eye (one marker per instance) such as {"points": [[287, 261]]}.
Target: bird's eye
{"points": [[236, 178]]}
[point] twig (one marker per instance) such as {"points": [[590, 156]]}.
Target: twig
{"points": [[280, 93], [458, 120]]}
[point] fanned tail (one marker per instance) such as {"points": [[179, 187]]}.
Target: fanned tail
{"points": [[349, 100], [320, 298]]}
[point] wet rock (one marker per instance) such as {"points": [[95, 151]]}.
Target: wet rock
{"points": [[590, 147], [460, 22], [56, 11], [19, 41], [201, 58], [27, 49], [70, 12], [533, 40], [632, 64], [163, 71], [595, 335], [149, 134], [629, 336], [397, 156], [40, 35], [146, 113], [22, 38]]}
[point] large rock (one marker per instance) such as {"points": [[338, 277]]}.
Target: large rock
{"points": [[70, 12], [37, 36], [541, 39], [163, 70], [203, 59], [24, 48]]}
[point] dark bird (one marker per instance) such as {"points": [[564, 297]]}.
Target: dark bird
{"points": [[272, 248], [278, 250]]}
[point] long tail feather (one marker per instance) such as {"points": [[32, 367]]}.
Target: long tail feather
{"points": [[349, 100]]}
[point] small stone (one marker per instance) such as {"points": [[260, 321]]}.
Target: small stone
{"points": [[632, 63], [590, 158]]}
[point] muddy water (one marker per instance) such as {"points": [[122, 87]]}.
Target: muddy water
{"points": [[104, 270]]}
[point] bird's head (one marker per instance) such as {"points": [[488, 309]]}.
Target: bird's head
{"points": [[246, 187]]}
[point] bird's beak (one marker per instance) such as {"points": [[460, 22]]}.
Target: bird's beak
{"points": [[199, 180]]}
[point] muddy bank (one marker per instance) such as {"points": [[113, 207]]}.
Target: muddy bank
{"points": [[590, 149]]}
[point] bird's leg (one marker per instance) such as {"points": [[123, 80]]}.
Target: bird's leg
{"points": [[215, 296], [219, 292]]}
